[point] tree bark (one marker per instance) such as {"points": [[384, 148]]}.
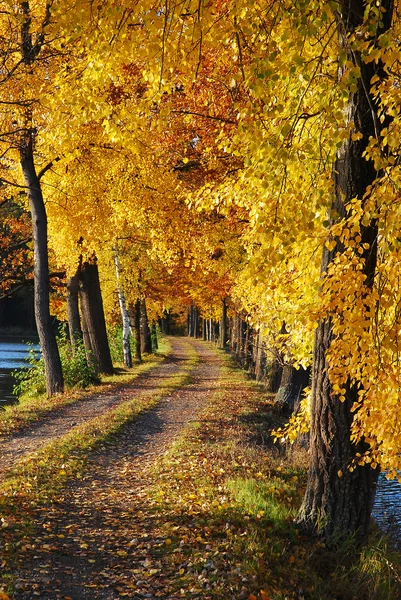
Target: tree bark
{"points": [[338, 502], [124, 314], [155, 344], [93, 317], [137, 330], [165, 323], [273, 372], [146, 340], [47, 338], [223, 324], [196, 322], [85, 335], [74, 320], [293, 382]]}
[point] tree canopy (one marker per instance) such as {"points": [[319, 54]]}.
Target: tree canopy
{"points": [[207, 143]]}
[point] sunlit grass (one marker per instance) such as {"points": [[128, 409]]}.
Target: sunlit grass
{"points": [[262, 499]]}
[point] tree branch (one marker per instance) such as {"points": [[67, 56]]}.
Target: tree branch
{"points": [[47, 167], [196, 114]]}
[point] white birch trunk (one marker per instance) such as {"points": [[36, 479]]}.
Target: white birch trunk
{"points": [[124, 314]]}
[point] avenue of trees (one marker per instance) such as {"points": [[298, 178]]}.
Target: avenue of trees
{"points": [[233, 161]]}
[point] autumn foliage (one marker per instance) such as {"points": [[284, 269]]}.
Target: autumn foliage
{"points": [[199, 140]]}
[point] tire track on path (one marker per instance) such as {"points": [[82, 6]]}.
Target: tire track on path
{"points": [[78, 540]]}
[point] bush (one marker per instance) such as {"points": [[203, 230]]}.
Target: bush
{"points": [[115, 337], [31, 380], [76, 371]]}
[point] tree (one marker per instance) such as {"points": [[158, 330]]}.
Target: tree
{"points": [[95, 333], [23, 40], [16, 257], [44, 324], [339, 499]]}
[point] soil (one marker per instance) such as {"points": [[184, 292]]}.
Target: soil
{"points": [[97, 535]]}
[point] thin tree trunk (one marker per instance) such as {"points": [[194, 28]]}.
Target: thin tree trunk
{"points": [[223, 324], [94, 321], [47, 338], [137, 330], [74, 321], [243, 342], [146, 340], [124, 314], [155, 344], [338, 502], [204, 329]]}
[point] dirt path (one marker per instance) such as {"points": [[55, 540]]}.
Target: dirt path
{"points": [[94, 542], [61, 420]]}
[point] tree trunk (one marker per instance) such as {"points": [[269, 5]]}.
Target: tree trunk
{"points": [[251, 340], [85, 335], [243, 339], [165, 323], [74, 321], [155, 344], [94, 322], [189, 321], [273, 372], [124, 314], [223, 324], [146, 340], [51, 356], [137, 330], [293, 382], [338, 502], [204, 329]]}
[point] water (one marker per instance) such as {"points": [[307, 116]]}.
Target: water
{"points": [[13, 352], [387, 507]]}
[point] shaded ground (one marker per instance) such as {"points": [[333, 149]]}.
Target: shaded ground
{"points": [[76, 552]]}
